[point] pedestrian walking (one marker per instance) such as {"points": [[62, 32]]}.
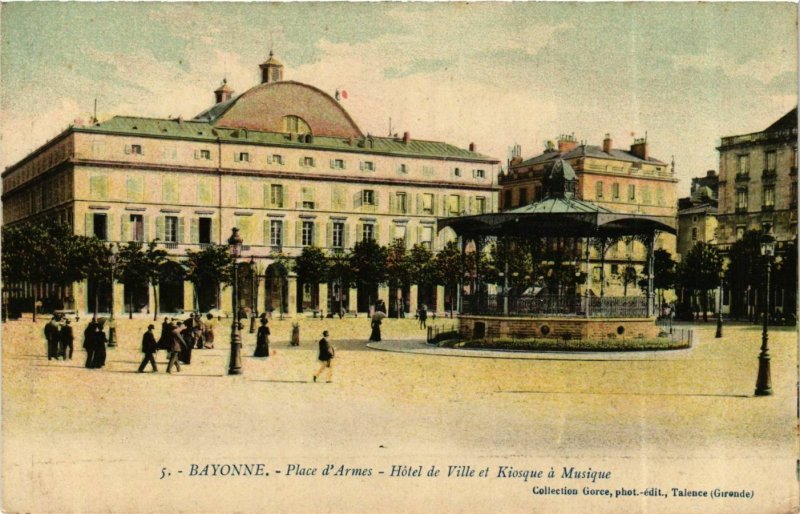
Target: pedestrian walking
{"points": [[376, 329], [149, 348], [66, 338], [100, 340], [164, 338], [198, 331], [208, 333], [51, 332], [262, 340], [187, 337], [88, 342], [177, 346], [423, 316], [326, 353]]}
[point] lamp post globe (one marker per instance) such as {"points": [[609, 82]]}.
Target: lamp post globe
{"points": [[112, 329], [764, 380], [235, 367]]}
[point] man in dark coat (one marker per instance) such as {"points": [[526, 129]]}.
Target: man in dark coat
{"points": [[149, 348], [326, 352], [100, 340], [177, 345], [66, 338], [88, 342], [51, 331], [164, 338]]}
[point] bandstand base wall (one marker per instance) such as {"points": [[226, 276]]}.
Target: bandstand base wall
{"points": [[477, 327]]}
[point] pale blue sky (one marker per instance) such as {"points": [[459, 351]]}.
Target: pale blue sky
{"points": [[495, 74]]}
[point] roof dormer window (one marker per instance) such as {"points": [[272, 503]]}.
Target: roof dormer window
{"points": [[295, 125]]}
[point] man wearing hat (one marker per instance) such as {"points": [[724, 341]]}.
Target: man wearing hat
{"points": [[326, 352], [149, 347], [66, 337]]}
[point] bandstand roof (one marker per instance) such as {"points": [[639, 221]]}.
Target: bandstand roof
{"points": [[558, 217]]}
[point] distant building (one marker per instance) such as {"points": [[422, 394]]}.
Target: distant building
{"points": [[697, 213], [758, 182], [284, 162], [621, 180]]}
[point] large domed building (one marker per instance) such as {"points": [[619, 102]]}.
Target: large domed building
{"points": [[283, 162]]}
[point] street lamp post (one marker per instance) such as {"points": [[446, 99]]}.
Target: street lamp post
{"points": [[254, 290], [112, 329], [719, 307], [235, 367], [764, 381]]}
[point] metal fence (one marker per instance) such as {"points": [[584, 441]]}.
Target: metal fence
{"points": [[440, 333], [556, 305]]}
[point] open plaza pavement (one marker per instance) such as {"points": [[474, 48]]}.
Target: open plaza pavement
{"points": [[114, 440]]}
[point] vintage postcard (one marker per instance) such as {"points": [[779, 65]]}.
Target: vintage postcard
{"points": [[399, 257]]}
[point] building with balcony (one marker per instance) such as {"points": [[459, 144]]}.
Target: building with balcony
{"points": [[697, 213], [284, 162], [758, 182], [620, 180]]}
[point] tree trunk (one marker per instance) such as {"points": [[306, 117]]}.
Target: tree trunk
{"points": [[155, 303], [35, 299], [704, 304]]}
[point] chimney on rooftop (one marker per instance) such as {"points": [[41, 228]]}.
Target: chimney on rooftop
{"points": [[566, 142], [639, 148], [607, 143], [406, 137], [472, 147]]}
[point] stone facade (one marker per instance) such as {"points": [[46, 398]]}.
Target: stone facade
{"points": [[758, 182], [189, 182]]}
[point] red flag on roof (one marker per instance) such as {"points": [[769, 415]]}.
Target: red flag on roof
{"points": [[344, 94]]}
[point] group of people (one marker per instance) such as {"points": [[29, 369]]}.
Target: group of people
{"points": [[178, 338], [59, 336]]}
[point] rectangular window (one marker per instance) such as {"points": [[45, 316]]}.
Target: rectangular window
{"points": [[134, 189], [427, 203], [399, 232], [367, 197], [480, 205], [507, 199], [368, 166], [308, 198], [98, 187], [204, 155], [646, 195], [456, 172], [741, 199], [523, 196], [401, 203], [598, 190], [769, 197], [137, 227], [660, 196], [276, 159], [308, 162], [402, 168], [307, 233], [743, 164], [100, 222], [615, 269], [632, 192], [694, 233], [276, 195], [428, 171], [241, 157], [771, 160], [337, 239], [454, 205], [243, 193], [204, 230], [337, 164], [136, 149], [426, 237], [204, 194], [739, 233], [169, 190], [615, 191], [479, 174], [276, 233], [368, 233], [171, 229]]}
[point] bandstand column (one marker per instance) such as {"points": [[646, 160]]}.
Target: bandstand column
{"points": [[650, 242], [588, 276]]}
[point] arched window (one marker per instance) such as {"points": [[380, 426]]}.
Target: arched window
{"points": [[295, 125]]}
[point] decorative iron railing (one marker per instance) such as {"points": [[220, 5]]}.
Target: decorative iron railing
{"points": [[556, 305]]}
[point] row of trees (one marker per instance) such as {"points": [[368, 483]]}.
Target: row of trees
{"points": [[52, 254]]}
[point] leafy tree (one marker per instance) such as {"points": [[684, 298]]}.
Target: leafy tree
{"points": [[629, 276], [368, 263], [312, 267], [98, 266], [701, 272], [421, 268], [131, 269], [745, 273], [341, 273], [450, 269], [211, 266], [512, 256]]}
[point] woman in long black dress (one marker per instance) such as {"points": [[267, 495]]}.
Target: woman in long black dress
{"points": [[99, 357], [376, 330], [262, 340], [88, 342]]}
